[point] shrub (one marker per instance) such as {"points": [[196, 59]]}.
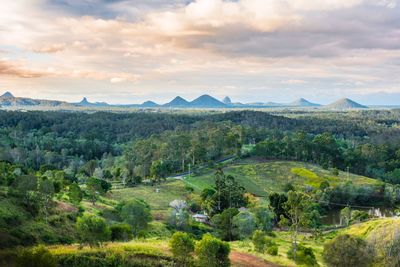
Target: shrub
{"points": [[182, 247], [304, 256], [92, 230], [137, 214], [212, 252], [347, 251], [112, 258], [359, 216], [259, 241], [121, 232], [273, 250], [35, 257]]}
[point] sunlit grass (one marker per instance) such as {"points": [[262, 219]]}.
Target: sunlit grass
{"points": [[262, 178]]}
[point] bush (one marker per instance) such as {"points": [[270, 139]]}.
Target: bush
{"points": [[92, 230], [347, 251], [262, 243], [359, 216], [212, 252], [111, 259], [35, 257], [259, 241], [182, 247], [273, 250], [304, 256], [121, 232]]}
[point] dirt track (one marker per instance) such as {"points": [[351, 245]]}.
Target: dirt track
{"points": [[239, 259]]}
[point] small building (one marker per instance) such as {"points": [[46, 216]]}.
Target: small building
{"points": [[200, 218]]}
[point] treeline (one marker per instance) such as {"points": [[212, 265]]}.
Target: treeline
{"points": [[366, 142], [173, 151]]}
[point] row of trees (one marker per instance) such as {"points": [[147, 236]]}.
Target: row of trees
{"points": [[173, 151]]}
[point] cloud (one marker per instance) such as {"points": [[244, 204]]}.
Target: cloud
{"points": [[204, 43], [117, 80], [53, 48], [294, 82], [14, 69]]}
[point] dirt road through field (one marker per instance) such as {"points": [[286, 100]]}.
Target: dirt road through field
{"points": [[239, 259]]}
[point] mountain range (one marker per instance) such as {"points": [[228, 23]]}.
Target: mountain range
{"points": [[203, 101]]}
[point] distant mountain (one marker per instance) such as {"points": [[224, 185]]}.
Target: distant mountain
{"points": [[345, 103], [7, 95], [227, 100], [85, 103], [149, 104], [206, 101], [178, 102], [301, 102], [9, 100]]}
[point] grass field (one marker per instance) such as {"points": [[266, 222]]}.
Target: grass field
{"points": [[159, 202], [261, 178]]}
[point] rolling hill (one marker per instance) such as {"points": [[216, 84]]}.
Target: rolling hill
{"points": [[261, 178]]}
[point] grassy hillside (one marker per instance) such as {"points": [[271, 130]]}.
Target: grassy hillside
{"points": [[261, 178], [370, 228], [385, 228], [159, 202]]}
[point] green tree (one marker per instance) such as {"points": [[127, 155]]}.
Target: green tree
{"points": [[244, 223], [277, 202], [264, 218], [228, 192], [212, 252], [92, 230], [137, 214], [121, 232], [158, 170], [224, 226], [75, 193], [182, 247], [347, 251], [297, 208], [46, 189], [94, 188]]}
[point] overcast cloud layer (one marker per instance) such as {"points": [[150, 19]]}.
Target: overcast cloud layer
{"points": [[252, 50]]}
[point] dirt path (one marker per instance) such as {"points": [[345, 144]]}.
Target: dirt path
{"points": [[239, 259]]}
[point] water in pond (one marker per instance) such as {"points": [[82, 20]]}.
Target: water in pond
{"points": [[333, 216]]}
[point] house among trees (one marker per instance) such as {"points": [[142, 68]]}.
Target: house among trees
{"points": [[200, 218]]}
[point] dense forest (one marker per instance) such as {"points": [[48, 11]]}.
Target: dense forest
{"points": [[68, 177]]}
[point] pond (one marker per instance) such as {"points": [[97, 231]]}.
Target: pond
{"points": [[333, 216]]}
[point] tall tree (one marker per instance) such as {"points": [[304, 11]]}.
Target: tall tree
{"points": [[297, 209]]}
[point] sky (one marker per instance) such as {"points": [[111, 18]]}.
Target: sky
{"points": [[130, 51]]}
